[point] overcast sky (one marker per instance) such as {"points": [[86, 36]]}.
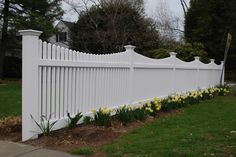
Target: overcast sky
{"points": [[150, 8], [173, 5]]}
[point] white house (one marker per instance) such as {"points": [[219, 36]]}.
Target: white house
{"points": [[62, 38]]}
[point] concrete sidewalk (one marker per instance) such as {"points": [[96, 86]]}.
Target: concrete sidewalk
{"points": [[10, 149]]}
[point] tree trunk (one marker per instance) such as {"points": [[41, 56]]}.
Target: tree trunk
{"points": [[3, 45]]}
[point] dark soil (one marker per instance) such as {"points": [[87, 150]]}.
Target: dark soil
{"points": [[82, 136], [10, 129]]}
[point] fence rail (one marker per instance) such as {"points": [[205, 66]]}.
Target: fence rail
{"points": [[57, 81]]}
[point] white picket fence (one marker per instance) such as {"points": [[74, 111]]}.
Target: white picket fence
{"points": [[57, 81]]}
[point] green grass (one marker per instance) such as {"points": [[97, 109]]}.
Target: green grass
{"points": [[82, 151], [201, 130], [10, 100]]}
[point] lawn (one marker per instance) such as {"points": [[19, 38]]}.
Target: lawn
{"points": [[10, 99], [205, 129]]}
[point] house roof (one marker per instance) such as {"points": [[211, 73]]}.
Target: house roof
{"points": [[68, 24]]}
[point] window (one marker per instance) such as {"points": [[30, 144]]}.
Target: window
{"points": [[61, 37]]}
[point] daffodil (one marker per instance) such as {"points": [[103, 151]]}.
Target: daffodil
{"points": [[139, 106], [149, 104], [130, 107], [94, 111]]}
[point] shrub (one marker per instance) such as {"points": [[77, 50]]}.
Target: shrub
{"points": [[185, 52], [102, 117], [74, 120], [45, 125], [161, 53], [124, 114]]}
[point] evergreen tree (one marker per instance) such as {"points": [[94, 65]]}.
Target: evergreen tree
{"points": [[208, 22], [26, 14]]}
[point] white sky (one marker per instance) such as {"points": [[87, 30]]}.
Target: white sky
{"points": [[174, 6], [150, 7]]}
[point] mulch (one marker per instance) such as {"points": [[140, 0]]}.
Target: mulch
{"points": [[10, 129], [81, 136]]}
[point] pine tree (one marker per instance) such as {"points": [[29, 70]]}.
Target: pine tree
{"points": [[208, 22], [26, 14]]}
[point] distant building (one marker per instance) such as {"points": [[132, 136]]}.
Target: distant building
{"points": [[62, 38]]}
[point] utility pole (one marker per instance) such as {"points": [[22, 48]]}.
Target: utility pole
{"points": [[228, 43]]}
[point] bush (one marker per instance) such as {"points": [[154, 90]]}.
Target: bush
{"points": [[185, 52], [161, 53]]}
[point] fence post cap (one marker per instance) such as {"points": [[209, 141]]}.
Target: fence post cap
{"points": [[173, 54], [212, 60], [129, 47], [197, 58], [30, 32]]}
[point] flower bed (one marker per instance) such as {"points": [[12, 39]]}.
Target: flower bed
{"points": [[128, 113], [10, 128]]}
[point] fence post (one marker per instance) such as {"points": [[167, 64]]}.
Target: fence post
{"points": [[173, 56], [212, 73], [30, 47], [130, 50], [197, 59]]}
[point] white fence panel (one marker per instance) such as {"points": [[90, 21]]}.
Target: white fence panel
{"points": [[57, 81]]}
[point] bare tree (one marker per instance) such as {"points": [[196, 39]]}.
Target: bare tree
{"points": [[168, 24], [75, 5], [184, 6]]}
